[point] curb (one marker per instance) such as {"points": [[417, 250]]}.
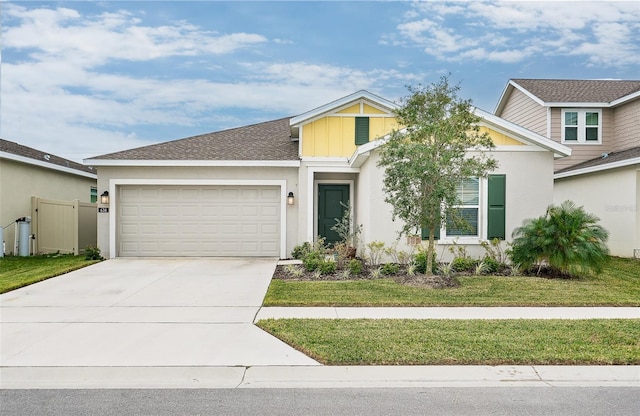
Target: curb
{"points": [[316, 377]]}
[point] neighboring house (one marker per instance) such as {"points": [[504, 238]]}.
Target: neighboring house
{"points": [[26, 172], [600, 121], [229, 193]]}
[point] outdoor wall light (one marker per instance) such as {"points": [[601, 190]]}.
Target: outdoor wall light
{"points": [[104, 198], [290, 198]]}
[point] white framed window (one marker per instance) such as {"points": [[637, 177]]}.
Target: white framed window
{"points": [[468, 192], [581, 126]]}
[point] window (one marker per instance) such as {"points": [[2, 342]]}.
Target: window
{"points": [[94, 194], [362, 130], [581, 126], [469, 196], [483, 203]]}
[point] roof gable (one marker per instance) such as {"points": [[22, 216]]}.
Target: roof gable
{"points": [[14, 151], [375, 104], [564, 92]]}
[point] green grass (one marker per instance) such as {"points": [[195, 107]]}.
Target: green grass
{"points": [[469, 342], [617, 285], [17, 272]]}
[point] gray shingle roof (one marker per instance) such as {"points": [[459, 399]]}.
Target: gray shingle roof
{"points": [[264, 141], [40, 156], [579, 91], [611, 157]]}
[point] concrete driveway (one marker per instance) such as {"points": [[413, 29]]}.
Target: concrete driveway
{"points": [[147, 313]]}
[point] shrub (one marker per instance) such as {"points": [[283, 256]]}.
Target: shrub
{"points": [[376, 249], [463, 264], [355, 267], [566, 238], [420, 262], [312, 261], [92, 253], [492, 265], [494, 250], [389, 268], [300, 251], [327, 267], [293, 270]]}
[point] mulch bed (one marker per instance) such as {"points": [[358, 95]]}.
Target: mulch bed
{"points": [[417, 280]]}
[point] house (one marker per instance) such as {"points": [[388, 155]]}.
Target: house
{"points": [[26, 172], [600, 121], [262, 189]]}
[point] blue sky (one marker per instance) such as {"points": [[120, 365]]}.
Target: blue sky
{"points": [[80, 78]]}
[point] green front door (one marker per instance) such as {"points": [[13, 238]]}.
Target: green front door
{"points": [[330, 208]]}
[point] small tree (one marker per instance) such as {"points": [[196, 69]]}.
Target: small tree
{"points": [[440, 146], [566, 238]]}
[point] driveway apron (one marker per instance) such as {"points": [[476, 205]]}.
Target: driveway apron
{"points": [[144, 312]]}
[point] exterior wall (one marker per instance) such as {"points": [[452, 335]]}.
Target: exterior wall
{"points": [[626, 126], [334, 135], [500, 139], [20, 181], [525, 112], [529, 191], [290, 175], [582, 152], [613, 196]]}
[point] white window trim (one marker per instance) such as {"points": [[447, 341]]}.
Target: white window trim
{"points": [[482, 222], [581, 125]]}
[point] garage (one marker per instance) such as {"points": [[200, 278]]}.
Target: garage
{"points": [[198, 220]]}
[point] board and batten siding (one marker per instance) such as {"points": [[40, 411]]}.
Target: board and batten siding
{"points": [[582, 152], [626, 126], [525, 112], [334, 134]]}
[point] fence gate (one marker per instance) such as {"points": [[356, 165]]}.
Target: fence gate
{"points": [[63, 226]]}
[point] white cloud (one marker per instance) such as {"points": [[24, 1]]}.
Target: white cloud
{"points": [[90, 41], [599, 33], [64, 100]]}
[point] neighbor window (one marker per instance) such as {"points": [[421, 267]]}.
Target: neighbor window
{"points": [[469, 196], [94, 194], [581, 126]]}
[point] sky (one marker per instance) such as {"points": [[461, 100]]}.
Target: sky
{"points": [[85, 78]]}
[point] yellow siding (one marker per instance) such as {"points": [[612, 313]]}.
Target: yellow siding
{"points": [[371, 110], [500, 139], [354, 109], [380, 126], [334, 136]]}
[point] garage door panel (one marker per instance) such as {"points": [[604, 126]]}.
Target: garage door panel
{"points": [[198, 221]]}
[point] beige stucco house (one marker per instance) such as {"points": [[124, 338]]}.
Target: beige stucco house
{"points": [[262, 189], [600, 121], [26, 172]]}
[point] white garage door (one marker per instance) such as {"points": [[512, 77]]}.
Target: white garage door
{"points": [[198, 221]]}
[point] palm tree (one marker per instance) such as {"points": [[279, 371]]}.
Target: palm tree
{"points": [[566, 238]]}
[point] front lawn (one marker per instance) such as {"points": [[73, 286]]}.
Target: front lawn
{"points": [[617, 285], [472, 342], [16, 272]]}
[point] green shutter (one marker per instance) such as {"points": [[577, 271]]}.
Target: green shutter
{"points": [[496, 207], [362, 130], [425, 234]]}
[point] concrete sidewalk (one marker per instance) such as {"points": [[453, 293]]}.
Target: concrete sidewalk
{"points": [[450, 313]]}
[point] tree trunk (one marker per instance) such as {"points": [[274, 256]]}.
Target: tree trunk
{"points": [[430, 251]]}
